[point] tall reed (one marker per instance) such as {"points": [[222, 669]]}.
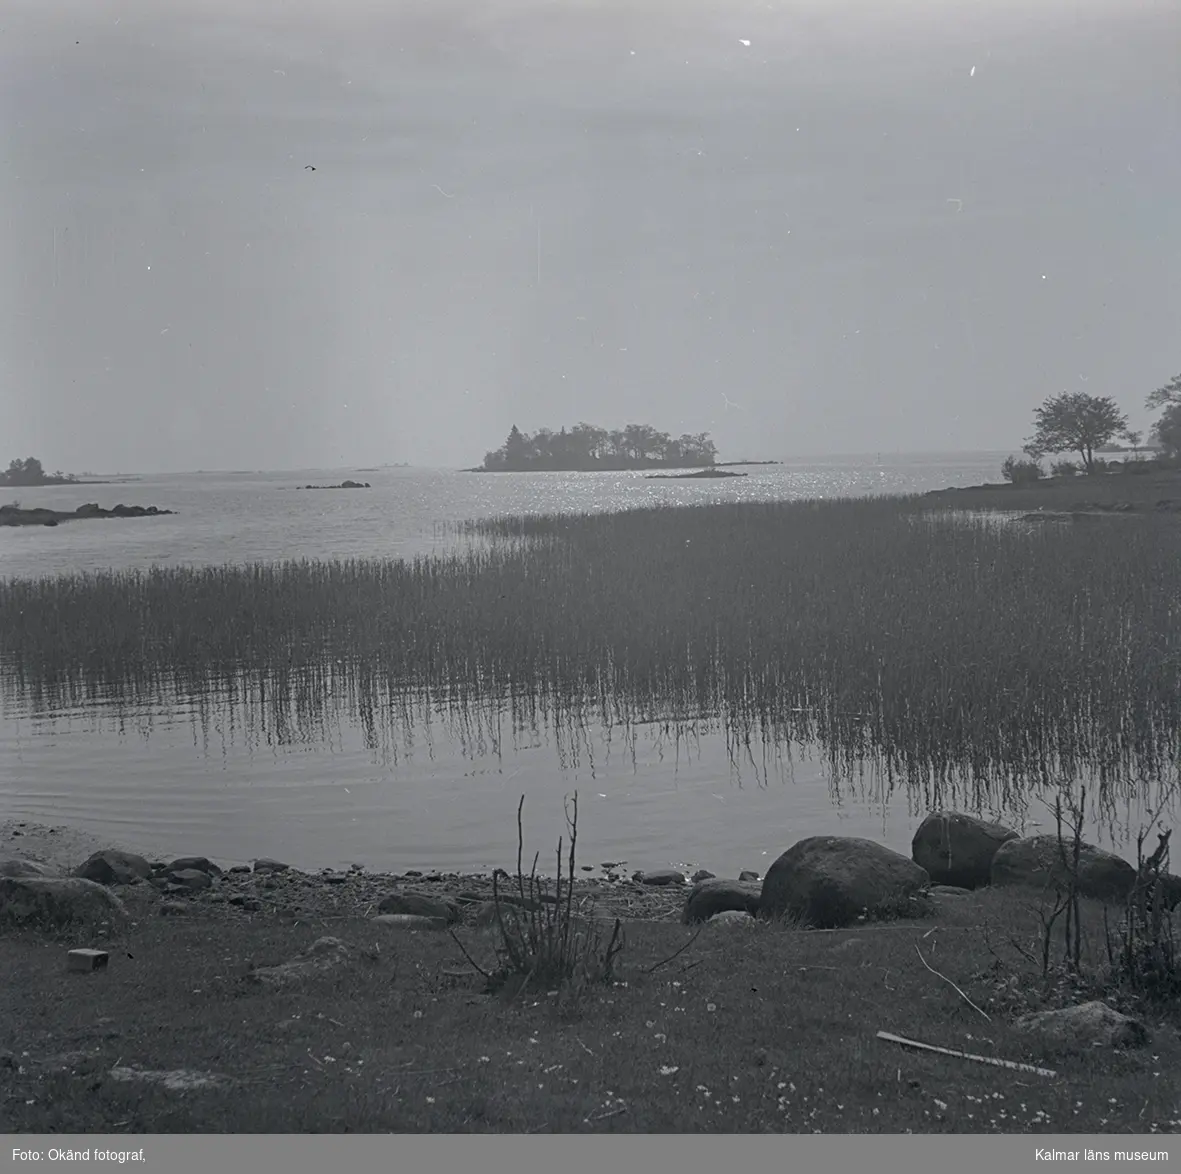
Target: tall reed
{"points": [[872, 628]]}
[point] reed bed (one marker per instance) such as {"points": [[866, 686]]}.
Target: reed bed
{"points": [[875, 629]]}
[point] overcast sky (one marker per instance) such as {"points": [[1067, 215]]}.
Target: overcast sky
{"points": [[871, 231]]}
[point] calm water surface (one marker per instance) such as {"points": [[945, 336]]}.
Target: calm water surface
{"points": [[172, 776]]}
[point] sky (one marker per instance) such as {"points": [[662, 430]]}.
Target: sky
{"points": [[254, 234]]}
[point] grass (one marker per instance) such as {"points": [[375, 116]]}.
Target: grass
{"points": [[748, 1030], [963, 660], [1141, 490]]}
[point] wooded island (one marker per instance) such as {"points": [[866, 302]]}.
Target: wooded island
{"points": [[587, 447]]}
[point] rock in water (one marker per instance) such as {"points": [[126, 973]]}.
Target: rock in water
{"points": [[958, 849], [831, 881]]}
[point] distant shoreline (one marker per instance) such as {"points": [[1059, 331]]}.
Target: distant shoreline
{"points": [[59, 481]]}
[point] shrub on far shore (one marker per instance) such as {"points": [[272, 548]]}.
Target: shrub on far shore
{"points": [[1021, 472]]}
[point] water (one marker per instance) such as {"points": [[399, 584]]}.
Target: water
{"points": [[186, 778], [243, 517]]}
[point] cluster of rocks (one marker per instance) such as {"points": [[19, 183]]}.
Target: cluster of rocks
{"points": [[833, 881], [821, 881], [98, 892]]}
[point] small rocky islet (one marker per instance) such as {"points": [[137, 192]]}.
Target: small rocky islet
{"points": [[13, 515], [821, 881], [706, 474]]}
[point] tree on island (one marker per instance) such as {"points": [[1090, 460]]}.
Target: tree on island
{"points": [[30, 472], [1075, 422], [587, 446]]}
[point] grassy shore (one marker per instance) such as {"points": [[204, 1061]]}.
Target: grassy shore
{"points": [[1136, 491], [748, 1029]]}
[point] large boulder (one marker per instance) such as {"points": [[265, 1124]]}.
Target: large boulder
{"points": [[958, 849], [710, 897], [1037, 862], [57, 900], [112, 866], [1088, 1025], [831, 881]]}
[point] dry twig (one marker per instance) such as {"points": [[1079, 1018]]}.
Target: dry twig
{"points": [[950, 984], [665, 961]]}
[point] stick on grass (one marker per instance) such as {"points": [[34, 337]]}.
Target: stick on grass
{"points": [[995, 1061]]}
